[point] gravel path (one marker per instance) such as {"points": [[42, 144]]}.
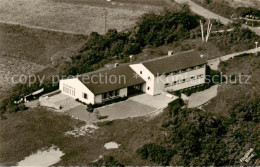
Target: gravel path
{"points": [[213, 63]]}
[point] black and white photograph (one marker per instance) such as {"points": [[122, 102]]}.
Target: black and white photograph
{"points": [[129, 83]]}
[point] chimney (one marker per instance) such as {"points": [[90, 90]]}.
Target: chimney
{"points": [[170, 53], [131, 58]]}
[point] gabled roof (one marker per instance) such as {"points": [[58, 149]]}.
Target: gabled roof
{"points": [[173, 63], [99, 82]]}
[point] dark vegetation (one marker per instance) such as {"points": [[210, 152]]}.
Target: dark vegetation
{"points": [[152, 30], [195, 137]]}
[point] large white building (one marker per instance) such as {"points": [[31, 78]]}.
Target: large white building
{"points": [[168, 73]]}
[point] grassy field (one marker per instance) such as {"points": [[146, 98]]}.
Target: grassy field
{"points": [[74, 16], [26, 51], [34, 45], [39, 128]]}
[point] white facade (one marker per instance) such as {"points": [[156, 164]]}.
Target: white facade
{"points": [[146, 75], [76, 89], [172, 81]]}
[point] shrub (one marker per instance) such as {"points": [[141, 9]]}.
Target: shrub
{"points": [[156, 153]]}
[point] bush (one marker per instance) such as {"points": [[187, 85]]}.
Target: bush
{"points": [[156, 153]]}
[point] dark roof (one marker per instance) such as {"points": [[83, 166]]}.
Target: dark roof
{"points": [[97, 83], [173, 63]]}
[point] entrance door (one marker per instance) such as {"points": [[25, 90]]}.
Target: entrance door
{"points": [[133, 90]]}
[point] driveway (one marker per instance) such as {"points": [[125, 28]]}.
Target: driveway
{"points": [[66, 102], [158, 101], [136, 106], [124, 110], [200, 98], [80, 112]]}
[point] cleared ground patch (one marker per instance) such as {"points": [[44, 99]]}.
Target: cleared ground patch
{"points": [[74, 17]]}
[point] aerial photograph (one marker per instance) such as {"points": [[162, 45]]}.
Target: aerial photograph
{"points": [[129, 83]]}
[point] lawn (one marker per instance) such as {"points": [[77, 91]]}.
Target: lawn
{"points": [[74, 16], [35, 45], [39, 128]]}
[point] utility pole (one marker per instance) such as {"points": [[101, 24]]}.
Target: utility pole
{"points": [[202, 31], [256, 48]]}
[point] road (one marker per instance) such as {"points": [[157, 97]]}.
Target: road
{"points": [[213, 63], [210, 15], [204, 12]]}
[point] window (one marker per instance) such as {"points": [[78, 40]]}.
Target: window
{"points": [[193, 77], [117, 92], [149, 78], [175, 83], [200, 76], [148, 88], [167, 85], [69, 90], [85, 96], [141, 72], [184, 70]]}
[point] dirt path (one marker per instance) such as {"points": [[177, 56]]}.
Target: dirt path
{"points": [[213, 63]]}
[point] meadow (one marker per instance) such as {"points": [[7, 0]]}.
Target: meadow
{"points": [[77, 16]]}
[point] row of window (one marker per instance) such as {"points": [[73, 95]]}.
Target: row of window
{"points": [[180, 71], [69, 90], [185, 70], [110, 94], [184, 80]]}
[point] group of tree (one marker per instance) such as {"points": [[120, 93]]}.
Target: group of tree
{"points": [[195, 137]]}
